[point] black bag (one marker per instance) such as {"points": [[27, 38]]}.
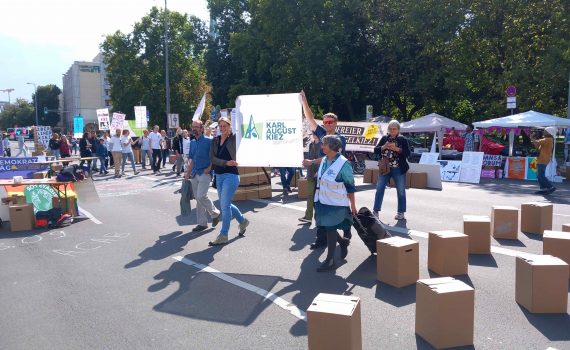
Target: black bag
{"points": [[369, 228]]}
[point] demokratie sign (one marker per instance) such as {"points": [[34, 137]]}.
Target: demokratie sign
{"points": [[25, 167]]}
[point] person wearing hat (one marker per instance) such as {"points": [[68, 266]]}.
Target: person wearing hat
{"points": [[545, 146], [223, 157]]}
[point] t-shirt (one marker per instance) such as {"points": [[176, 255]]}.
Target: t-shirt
{"points": [[185, 145], [128, 148], [145, 143], [116, 144], [155, 140], [471, 138]]}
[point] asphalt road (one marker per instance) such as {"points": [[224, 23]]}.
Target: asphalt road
{"points": [[134, 277]]}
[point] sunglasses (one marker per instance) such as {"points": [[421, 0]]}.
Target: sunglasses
{"points": [[329, 122]]}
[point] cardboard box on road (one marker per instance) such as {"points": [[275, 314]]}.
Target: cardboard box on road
{"points": [[505, 222], [448, 253], [371, 176], [536, 217], [445, 309], [21, 217], [478, 228], [557, 243], [418, 180], [397, 262], [542, 283], [333, 322], [302, 189], [265, 191], [566, 228]]}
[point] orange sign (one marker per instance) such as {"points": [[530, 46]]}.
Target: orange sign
{"points": [[517, 168]]}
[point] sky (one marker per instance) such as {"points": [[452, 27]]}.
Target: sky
{"points": [[40, 39]]}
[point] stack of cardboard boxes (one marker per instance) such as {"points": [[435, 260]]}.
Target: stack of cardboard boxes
{"points": [[413, 179], [253, 184]]}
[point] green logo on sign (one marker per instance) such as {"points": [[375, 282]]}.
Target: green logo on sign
{"points": [[250, 131], [40, 196]]}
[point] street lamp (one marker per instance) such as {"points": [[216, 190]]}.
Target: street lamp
{"points": [[166, 75], [35, 100]]}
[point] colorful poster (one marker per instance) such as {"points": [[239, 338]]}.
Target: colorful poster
{"points": [[531, 168], [269, 130], [450, 170], [25, 167], [117, 122], [492, 160], [103, 118], [360, 136], [516, 168]]}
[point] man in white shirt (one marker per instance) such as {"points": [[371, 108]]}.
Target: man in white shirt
{"points": [[116, 151], [144, 141], [156, 147]]}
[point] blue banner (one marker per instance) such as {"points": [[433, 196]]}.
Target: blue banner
{"points": [[78, 124], [26, 167]]}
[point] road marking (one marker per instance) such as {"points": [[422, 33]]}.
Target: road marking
{"points": [[90, 216], [562, 215], [282, 303]]}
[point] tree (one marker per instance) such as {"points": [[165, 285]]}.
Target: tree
{"points": [[48, 97], [135, 66], [20, 113]]}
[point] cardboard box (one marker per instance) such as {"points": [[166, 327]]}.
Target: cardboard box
{"points": [[302, 189], [265, 191], [247, 170], [566, 228], [71, 204], [448, 252], [239, 195], [22, 217], [536, 217], [397, 262], [367, 176], [333, 322], [557, 244], [294, 179], [505, 222], [16, 199], [478, 229], [445, 312], [251, 193], [39, 175], [418, 180], [375, 174], [542, 283], [249, 179]]}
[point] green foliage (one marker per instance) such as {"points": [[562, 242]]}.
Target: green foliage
{"points": [[135, 66], [48, 96], [20, 113]]}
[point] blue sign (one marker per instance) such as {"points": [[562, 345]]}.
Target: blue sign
{"points": [[26, 167], [77, 124]]}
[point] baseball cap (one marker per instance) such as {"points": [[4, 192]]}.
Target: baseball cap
{"points": [[551, 130]]}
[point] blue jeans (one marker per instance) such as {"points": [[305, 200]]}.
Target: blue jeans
{"points": [[227, 185], [400, 179], [103, 167], [131, 158], [541, 177], [56, 153], [286, 180]]}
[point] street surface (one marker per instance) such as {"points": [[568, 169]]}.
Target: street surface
{"points": [[133, 276]]}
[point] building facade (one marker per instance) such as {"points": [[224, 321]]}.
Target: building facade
{"points": [[85, 89]]}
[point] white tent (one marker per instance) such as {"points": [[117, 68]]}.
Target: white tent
{"points": [[527, 120], [432, 123]]}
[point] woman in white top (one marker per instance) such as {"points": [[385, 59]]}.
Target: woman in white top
{"points": [[127, 150]]}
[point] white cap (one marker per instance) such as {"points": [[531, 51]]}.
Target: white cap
{"points": [[551, 130]]}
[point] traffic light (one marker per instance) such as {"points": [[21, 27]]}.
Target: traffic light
{"points": [[45, 110]]}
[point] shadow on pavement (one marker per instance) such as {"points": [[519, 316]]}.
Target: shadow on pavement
{"points": [[397, 297], [555, 327], [303, 237], [510, 242], [421, 344], [365, 274], [165, 246], [482, 260], [533, 236]]}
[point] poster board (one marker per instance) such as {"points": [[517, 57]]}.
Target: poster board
{"points": [[103, 119], [44, 135], [471, 165], [268, 130], [433, 172], [516, 168], [429, 158], [531, 171], [450, 170], [117, 122], [140, 117]]}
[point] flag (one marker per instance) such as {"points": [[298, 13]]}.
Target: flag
{"points": [[200, 109]]}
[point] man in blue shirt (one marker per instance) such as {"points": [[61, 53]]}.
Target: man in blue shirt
{"points": [[330, 121], [198, 171]]}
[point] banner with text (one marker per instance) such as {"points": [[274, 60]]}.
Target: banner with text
{"points": [[140, 117], [103, 118], [269, 130], [25, 167], [117, 122], [44, 134], [360, 136]]}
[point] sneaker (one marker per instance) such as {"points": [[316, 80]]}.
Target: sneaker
{"points": [[199, 228], [400, 216], [242, 227], [305, 220], [216, 220], [220, 240]]}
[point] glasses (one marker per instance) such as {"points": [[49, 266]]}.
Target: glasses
{"points": [[329, 122]]}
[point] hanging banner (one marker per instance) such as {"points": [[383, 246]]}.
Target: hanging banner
{"points": [[25, 167], [360, 136], [117, 122], [44, 134], [140, 117], [269, 130], [78, 126], [200, 109], [103, 118], [531, 170]]}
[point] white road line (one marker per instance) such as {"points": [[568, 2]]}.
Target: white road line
{"points": [[90, 216], [282, 303], [562, 215]]}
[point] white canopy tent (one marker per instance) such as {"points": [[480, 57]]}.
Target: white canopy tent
{"points": [[527, 120], [432, 123]]}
